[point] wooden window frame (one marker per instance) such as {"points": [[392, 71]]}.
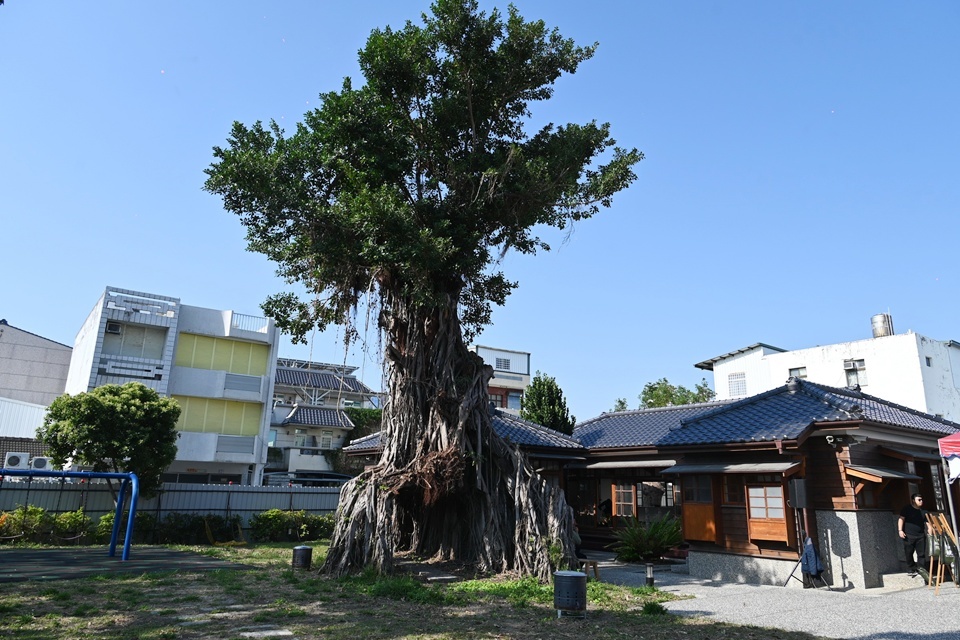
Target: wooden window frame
{"points": [[739, 495], [700, 482], [767, 528], [618, 490]]}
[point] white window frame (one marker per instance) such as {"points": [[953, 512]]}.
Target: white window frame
{"points": [[737, 384]]}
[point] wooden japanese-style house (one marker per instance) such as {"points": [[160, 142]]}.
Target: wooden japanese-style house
{"points": [[758, 475], [622, 477]]}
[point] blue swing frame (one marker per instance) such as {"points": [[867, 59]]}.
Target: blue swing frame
{"points": [[129, 479]]}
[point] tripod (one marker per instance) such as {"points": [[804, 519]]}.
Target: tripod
{"points": [[809, 559]]}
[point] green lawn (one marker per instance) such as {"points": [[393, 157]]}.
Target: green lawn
{"points": [[270, 597]]}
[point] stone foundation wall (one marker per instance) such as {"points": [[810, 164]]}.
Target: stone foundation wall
{"points": [[725, 567], [858, 547]]}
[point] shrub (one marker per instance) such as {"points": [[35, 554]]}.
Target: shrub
{"points": [[277, 525], [28, 524], [321, 526], [182, 528], [643, 541], [72, 526], [144, 528], [221, 528], [270, 526]]}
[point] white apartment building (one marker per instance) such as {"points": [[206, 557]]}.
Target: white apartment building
{"points": [[33, 373], [217, 364], [309, 421], [33, 369], [907, 369], [511, 376]]}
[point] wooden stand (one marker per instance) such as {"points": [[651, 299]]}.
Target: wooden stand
{"points": [[585, 565], [944, 537]]}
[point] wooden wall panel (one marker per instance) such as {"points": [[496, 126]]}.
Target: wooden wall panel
{"points": [[827, 486]]}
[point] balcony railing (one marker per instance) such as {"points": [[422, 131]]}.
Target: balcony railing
{"points": [[253, 324]]}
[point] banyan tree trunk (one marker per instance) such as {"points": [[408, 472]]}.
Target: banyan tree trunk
{"points": [[446, 486]]}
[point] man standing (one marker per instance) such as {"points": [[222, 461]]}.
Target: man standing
{"points": [[913, 526]]}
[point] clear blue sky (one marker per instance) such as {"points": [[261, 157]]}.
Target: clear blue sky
{"points": [[801, 171]]}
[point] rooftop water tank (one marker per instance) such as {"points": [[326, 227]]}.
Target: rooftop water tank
{"points": [[882, 324]]}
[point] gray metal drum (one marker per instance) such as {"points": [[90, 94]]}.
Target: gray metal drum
{"points": [[570, 592], [302, 556]]}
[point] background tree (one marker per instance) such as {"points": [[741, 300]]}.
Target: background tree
{"points": [[114, 428], [663, 394], [543, 403], [620, 405], [406, 193]]}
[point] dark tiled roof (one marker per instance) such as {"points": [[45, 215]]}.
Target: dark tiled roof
{"points": [[530, 434], [786, 412], [21, 445], [371, 441], [318, 417], [319, 380], [878, 410], [639, 428], [508, 427]]}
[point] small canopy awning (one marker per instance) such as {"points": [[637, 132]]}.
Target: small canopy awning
{"points": [[786, 468], [878, 474], [909, 454], [624, 464], [950, 450], [950, 446]]}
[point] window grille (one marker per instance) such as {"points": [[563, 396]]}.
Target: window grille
{"points": [[737, 384]]}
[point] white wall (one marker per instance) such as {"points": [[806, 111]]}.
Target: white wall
{"points": [[32, 369], [519, 360], [941, 380], [82, 371], [895, 367], [750, 363], [20, 419], [892, 367]]}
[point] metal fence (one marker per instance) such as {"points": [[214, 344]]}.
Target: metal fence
{"points": [[203, 499]]}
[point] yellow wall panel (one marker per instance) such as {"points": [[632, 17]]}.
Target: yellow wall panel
{"points": [[185, 346], [233, 424], [241, 357], [211, 415], [192, 412], [222, 354], [251, 419], [259, 357], [203, 353], [216, 411]]}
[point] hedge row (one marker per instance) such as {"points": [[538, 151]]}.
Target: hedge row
{"points": [[36, 525]]}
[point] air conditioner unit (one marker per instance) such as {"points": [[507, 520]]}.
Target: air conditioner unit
{"points": [[849, 364], [114, 327], [15, 460], [41, 464]]}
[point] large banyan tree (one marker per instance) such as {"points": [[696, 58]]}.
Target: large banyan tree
{"points": [[405, 194]]}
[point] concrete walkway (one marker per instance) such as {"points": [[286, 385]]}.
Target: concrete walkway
{"points": [[904, 612]]}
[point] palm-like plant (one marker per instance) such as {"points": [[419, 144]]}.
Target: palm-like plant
{"points": [[646, 540]]}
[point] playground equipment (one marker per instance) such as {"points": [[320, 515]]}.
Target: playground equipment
{"points": [[128, 480]]}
